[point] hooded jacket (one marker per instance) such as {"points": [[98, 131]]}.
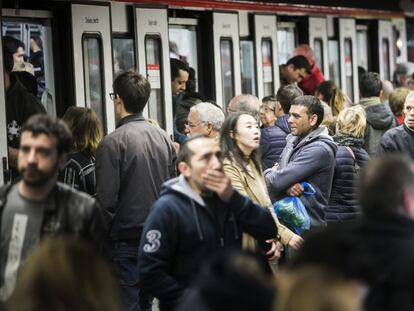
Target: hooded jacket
{"points": [[399, 139], [183, 231], [310, 159], [379, 120], [273, 140]]}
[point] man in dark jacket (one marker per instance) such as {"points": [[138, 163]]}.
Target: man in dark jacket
{"points": [[309, 156], [379, 116], [20, 104], [273, 139], [131, 164], [379, 249], [39, 207], [401, 139], [197, 214]]}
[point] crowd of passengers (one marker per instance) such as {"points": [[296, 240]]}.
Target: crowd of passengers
{"points": [[135, 221]]}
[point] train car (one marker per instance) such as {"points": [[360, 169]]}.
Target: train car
{"points": [[234, 46]]}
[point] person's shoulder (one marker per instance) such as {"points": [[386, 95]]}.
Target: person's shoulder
{"points": [[74, 197]]}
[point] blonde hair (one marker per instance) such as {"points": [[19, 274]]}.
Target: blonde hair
{"points": [[397, 99], [86, 128], [352, 121], [65, 274]]}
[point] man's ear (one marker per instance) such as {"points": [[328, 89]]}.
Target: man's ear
{"points": [[184, 169], [313, 120], [209, 127], [408, 203]]}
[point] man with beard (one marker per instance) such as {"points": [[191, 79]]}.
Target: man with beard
{"points": [[38, 207]]}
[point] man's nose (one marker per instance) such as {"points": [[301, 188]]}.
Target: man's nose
{"points": [[32, 157], [216, 163]]}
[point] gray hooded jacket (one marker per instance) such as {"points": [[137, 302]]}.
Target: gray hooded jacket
{"points": [[311, 159], [379, 120]]}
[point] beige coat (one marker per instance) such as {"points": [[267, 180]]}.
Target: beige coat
{"points": [[253, 185]]}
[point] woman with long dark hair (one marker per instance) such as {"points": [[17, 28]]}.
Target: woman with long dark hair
{"points": [[239, 142]]}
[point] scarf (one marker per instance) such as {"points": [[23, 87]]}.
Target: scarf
{"points": [[348, 140]]}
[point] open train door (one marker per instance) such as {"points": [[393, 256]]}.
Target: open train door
{"points": [[92, 53], [386, 49], [318, 41], [4, 176], [265, 35], [226, 57], [347, 58], [151, 28]]}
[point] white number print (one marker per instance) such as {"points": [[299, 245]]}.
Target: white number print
{"points": [[153, 237]]}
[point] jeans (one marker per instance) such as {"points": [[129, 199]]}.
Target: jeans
{"points": [[124, 258]]}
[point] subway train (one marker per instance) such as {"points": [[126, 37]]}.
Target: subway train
{"points": [[234, 46]]}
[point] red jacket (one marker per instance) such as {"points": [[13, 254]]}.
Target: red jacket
{"points": [[311, 82]]}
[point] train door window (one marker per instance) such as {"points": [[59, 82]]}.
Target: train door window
{"points": [[226, 57], [286, 41], [348, 67], [153, 55], [333, 51], [38, 57], [124, 54], [183, 45], [318, 51], [267, 66], [362, 46], [93, 69], [247, 66], [386, 58]]}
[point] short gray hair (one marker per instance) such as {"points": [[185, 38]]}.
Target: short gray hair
{"points": [[246, 103], [210, 113]]}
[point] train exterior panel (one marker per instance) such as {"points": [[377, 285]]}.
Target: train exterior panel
{"points": [[234, 46]]}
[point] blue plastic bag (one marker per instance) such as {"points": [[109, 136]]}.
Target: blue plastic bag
{"points": [[291, 211]]}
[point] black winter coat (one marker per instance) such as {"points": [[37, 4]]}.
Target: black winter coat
{"points": [[343, 205]]}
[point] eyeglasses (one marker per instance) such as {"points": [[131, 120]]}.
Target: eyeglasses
{"points": [[112, 96], [191, 126], [267, 109]]}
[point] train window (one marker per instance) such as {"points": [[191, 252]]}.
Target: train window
{"points": [[93, 70], [333, 52], [386, 58], [124, 54], [362, 48], [226, 56], [38, 57], [318, 51], [348, 67], [247, 66], [153, 52], [267, 67], [183, 44], [286, 42]]}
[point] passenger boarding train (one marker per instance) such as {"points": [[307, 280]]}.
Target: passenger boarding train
{"points": [[234, 46]]}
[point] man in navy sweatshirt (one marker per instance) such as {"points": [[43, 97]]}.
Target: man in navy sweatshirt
{"points": [[197, 214]]}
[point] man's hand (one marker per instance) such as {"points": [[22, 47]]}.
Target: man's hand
{"points": [[295, 242], [275, 167], [275, 251], [219, 183], [295, 191]]}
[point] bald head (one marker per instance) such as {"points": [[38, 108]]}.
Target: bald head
{"points": [[305, 50], [245, 103]]}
